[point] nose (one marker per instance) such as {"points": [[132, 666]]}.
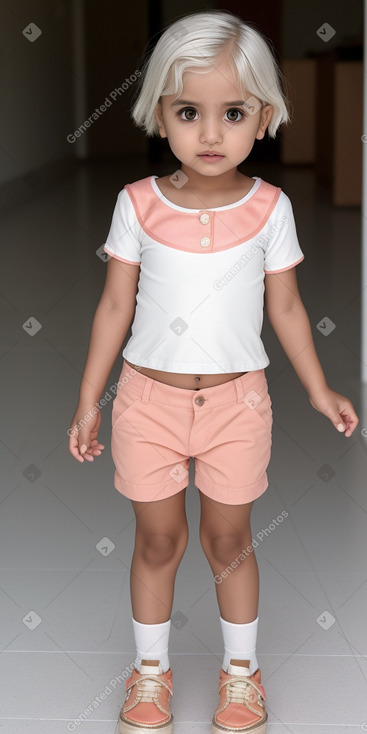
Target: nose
{"points": [[211, 130]]}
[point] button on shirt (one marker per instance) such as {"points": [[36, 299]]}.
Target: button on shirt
{"points": [[200, 297], [205, 219]]}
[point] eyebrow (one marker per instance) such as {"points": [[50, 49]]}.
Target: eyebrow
{"points": [[197, 104]]}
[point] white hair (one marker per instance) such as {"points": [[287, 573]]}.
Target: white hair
{"points": [[196, 40]]}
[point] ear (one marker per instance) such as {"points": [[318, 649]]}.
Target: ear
{"points": [[265, 118], [159, 120]]}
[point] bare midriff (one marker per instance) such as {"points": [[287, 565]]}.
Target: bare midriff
{"points": [[188, 382]]}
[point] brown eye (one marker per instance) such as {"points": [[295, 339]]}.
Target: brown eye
{"points": [[234, 112], [189, 113]]}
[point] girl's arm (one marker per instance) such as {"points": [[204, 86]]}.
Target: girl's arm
{"points": [[291, 324], [111, 322], [109, 329]]}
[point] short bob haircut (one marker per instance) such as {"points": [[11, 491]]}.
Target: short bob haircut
{"points": [[195, 41]]}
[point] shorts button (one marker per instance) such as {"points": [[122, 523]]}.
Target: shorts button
{"points": [[200, 401], [204, 218], [205, 241]]}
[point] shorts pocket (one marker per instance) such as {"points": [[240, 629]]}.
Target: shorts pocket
{"points": [[259, 402], [122, 404]]}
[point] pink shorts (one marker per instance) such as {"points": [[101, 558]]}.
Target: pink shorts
{"points": [[156, 428]]}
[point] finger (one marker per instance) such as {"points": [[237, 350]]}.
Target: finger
{"points": [[341, 421], [76, 455], [351, 419], [96, 443], [85, 451], [351, 425], [74, 449]]}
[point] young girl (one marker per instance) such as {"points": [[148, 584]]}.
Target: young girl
{"points": [[206, 242]]}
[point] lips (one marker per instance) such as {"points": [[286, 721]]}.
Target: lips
{"points": [[211, 157]]}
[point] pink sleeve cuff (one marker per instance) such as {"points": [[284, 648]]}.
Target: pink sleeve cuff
{"points": [[270, 272]]}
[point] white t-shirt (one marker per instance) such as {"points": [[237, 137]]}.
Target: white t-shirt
{"points": [[200, 299]]}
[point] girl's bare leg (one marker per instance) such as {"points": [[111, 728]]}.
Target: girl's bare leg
{"points": [[160, 542], [225, 532]]}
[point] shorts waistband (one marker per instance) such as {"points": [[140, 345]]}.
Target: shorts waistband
{"points": [[150, 390]]}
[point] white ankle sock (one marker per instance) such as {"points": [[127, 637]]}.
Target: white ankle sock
{"points": [[239, 643], [151, 642]]}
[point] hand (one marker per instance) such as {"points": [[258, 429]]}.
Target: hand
{"points": [[336, 407], [83, 442]]}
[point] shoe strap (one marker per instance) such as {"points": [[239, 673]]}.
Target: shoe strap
{"points": [[142, 679]]}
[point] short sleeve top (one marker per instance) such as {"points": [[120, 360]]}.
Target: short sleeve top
{"points": [[200, 299]]}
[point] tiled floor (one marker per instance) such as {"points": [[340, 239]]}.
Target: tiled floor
{"points": [[66, 633]]}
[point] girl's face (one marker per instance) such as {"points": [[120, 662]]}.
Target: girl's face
{"points": [[210, 117]]}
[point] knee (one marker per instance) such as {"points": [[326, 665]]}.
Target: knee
{"points": [[159, 549], [223, 548]]}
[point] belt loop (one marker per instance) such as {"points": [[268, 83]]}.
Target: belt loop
{"points": [[146, 390], [239, 389]]}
